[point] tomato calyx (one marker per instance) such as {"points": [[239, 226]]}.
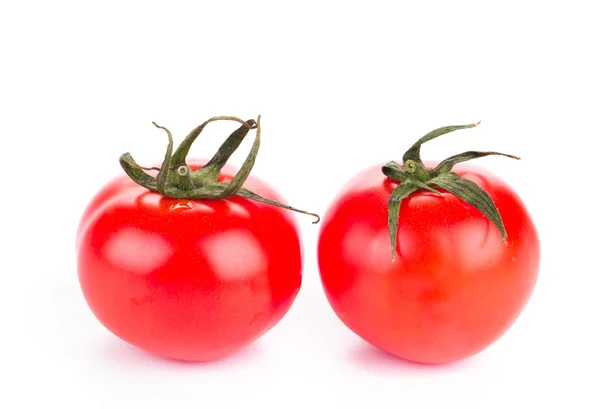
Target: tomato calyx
{"points": [[177, 180], [414, 176]]}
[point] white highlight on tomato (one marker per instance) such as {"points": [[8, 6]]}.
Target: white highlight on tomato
{"points": [[234, 255], [138, 251]]}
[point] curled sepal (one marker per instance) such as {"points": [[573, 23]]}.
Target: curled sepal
{"points": [[161, 178], [253, 196], [402, 191], [447, 164], [414, 152], [238, 180], [471, 193], [394, 171], [136, 172], [214, 166], [183, 149]]}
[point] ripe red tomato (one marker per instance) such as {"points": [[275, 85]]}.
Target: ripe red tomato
{"points": [[185, 278], [188, 279], [454, 286]]}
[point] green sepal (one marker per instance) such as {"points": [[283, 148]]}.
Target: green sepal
{"points": [[414, 152], [183, 149], [253, 196], [394, 171], [163, 174], [471, 193], [400, 193], [214, 166], [136, 172], [447, 164], [236, 183]]}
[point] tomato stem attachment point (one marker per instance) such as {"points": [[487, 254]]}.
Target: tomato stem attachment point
{"points": [[175, 178], [417, 170], [414, 176]]}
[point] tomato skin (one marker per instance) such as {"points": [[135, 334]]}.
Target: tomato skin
{"points": [[192, 280], [454, 287]]}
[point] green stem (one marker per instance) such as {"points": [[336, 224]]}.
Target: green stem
{"points": [[185, 181], [417, 170]]}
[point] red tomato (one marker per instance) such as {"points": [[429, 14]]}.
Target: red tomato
{"points": [[188, 279], [454, 287]]}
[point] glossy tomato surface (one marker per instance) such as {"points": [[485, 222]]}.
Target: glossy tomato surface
{"points": [[454, 287], [188, 279]]}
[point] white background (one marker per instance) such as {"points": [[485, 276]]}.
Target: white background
{"points": [[340, 86]]}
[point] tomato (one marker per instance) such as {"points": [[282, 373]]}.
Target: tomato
{"points": [[188, 279], [453, 286]]}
